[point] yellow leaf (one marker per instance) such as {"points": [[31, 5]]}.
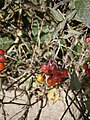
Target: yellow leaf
{"points": [[55, 99], [52, 90], [51, 93]]}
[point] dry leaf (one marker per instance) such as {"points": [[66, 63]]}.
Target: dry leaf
{"points": [[55, 99], [51, 93]]}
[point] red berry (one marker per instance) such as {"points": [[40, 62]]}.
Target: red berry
{"points": [[57, 78], [85, 66], [87, 40], [47, 72], [52, 66], [87, 71], [1, 52], [50, 81], [2, 58], [1, 66], [44, 68], [63, 72], [53, 69]]}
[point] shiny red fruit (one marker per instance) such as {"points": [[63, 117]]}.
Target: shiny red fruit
{"points": [[53, 69], [44, 68], [57, 78], [87, 72], [52, 66], [63, 72], [48, 72], [50, 81], [2, 58], [2, 66], [1, 52], [87, 40], [85, 66]]}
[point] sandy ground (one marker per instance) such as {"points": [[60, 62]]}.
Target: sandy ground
{"points": [[50, 112]]}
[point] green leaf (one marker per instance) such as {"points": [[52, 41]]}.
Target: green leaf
{"points": [[45, 29], [35, 31], [74, 82], [83, 10], [67, 36], [78, 48], [45, 37], [71, 15], [71, 33], [57, 15], [35, 28], [72, 4], [77, 18], [61, 25], [25, 85], [35, 84], [74, 32], [5, 42]]}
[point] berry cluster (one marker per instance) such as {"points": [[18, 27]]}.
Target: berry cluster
{"points": [[2, 60], [52, 73], [86, 68]]}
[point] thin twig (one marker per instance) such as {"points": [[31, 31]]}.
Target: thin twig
{"points": [[70, 105]]}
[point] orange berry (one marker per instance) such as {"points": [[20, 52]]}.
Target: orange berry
{"points": [[40, 78]]}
